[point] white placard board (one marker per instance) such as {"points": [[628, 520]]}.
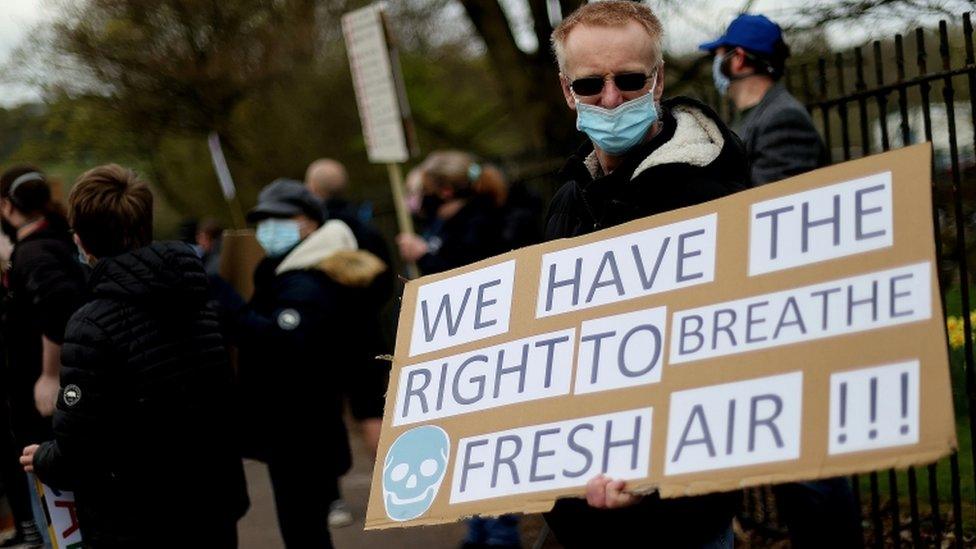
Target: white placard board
{"points": [[375, 85]]}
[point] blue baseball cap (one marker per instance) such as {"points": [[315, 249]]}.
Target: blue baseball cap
{"points": [[755, 33]]}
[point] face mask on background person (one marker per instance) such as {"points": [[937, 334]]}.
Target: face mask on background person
{"points": [[277, 236], [616, 131], [722, 82], [82, 256]]}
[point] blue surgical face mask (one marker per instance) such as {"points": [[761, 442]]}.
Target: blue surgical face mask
{"points": [[722, 82], [616, 131], [277, 236], [83, 258]]}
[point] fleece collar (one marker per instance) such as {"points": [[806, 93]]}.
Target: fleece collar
{"points": [[332, 237], [697, 141], [333, 249]]}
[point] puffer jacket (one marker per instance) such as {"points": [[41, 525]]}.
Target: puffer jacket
{"points": [[142, 426], [305, 339], [693, 159]]}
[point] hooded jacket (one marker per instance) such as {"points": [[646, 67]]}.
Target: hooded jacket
{"points": [[306, 339], [142, 426], [693, 159]]}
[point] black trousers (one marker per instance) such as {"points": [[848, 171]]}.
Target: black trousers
{"points": [[12, 475], [821, 513], [303, 491]]}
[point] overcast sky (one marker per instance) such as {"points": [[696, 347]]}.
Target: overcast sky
{"points": [[17, 17], [684, 30]]}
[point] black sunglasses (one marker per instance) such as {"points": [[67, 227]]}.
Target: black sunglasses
{"points": [[592, 85]]}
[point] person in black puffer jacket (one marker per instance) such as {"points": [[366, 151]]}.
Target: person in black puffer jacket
{"points": [[142, 428]]}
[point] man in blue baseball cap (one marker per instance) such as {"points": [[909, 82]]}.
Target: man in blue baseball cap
{"points": [[780, 142], [777, 131]]}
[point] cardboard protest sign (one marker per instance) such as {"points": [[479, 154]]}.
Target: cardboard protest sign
{"points": [[240, 254], [789, 332], [60, 516]]}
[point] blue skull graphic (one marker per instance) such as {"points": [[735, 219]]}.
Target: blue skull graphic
{"points": [[413, 471]]}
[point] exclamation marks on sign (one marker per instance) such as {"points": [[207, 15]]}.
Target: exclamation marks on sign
{"points": [[842, 438], [873, 432], [904, 402], [874, 407]]}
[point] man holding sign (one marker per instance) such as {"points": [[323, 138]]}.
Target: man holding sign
{"points": [[784, 333], [645, 156]]}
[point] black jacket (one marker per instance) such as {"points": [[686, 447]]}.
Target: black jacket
{"points": [[45, 286], [472, 234], [305, 340], [693, 159], [143, 427], [368, 239]]}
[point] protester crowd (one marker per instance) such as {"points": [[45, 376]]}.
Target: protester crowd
{"points": [[119, 383]]}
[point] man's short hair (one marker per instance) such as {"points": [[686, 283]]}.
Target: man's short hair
{"points": [[111, 211], [610, 13], [773, 64]]}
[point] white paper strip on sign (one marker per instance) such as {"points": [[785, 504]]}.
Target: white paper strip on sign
{"points": [[617, 269], [621, 351], [463, 308], [735, 424], [844, 306], [874, 408], [834, 221], [552, 455], [516, 371]]}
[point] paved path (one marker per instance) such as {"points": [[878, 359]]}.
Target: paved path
{"points": [[259, 528]]}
